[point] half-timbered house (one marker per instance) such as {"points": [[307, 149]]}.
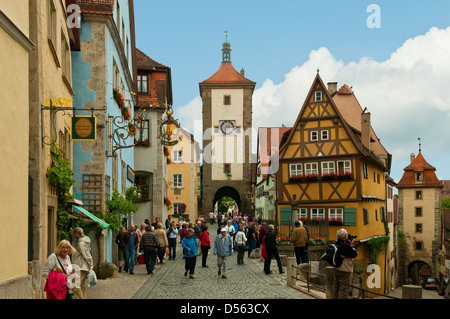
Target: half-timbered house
{"points": [[332, 172]]}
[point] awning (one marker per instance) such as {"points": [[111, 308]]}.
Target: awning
{"points": [[367, 239], [83, 211]]}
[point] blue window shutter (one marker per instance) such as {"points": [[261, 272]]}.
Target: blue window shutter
{"points": [[350, 216], [285, 215]]}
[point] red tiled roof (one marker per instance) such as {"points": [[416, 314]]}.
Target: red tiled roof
{"points": [[227, 74], [345, 90], [419, 164], [96, 6], [445, 193], [144, 62]]}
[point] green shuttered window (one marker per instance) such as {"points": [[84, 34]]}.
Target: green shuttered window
{"points": [[285, 215], [350, 216]]}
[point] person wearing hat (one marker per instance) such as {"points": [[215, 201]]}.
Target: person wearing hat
{"points": [[189, 244], [299, 239], [223, 248]]}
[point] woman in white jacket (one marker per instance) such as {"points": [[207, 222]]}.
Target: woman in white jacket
{"points": [[83, 259]]}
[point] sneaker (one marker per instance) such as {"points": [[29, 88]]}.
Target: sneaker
{"points": [[224, 277], [185, 273], [219, 272], [191, 277], [131, 273]]}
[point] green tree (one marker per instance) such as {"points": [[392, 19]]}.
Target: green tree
{"points": [[60, 176], [445, 203], [121, 207], [225, 203]]}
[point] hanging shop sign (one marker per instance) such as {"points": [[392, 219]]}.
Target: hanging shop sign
{"points": [[130, 174], [83, 128], [170, 130]]}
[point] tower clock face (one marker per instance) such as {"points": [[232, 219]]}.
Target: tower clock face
{"points": [[227, 127]]}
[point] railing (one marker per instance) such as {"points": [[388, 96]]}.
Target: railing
{"points": [[328, 278]]}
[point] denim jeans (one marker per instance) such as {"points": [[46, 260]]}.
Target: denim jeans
{"points": [[150, 259], [251, 245], [172, 247], [130, 256]]}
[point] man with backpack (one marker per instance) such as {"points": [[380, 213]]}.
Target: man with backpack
{"points": [[342, 260]]}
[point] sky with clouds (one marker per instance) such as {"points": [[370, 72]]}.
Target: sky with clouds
{"points": [[399, 70]]}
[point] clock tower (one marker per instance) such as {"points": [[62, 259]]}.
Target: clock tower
{"points": [[227, 135]]}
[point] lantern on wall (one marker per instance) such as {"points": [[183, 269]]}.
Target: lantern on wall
{"points": [[170, 130]]}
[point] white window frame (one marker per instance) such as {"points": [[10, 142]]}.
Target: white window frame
{"points": [[327, 135], [302, 213], [318, 96], [347, 165], [177, 183], [311, 170], [335, 213], [317, 212], [314, 136], [328, 167], [294, 169], [177, 156]]}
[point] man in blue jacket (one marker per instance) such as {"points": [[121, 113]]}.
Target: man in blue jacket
{"points": [[223, 248], [189, 244]]}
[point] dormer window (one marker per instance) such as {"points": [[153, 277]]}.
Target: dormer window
{"points": [[419, 177], [318, 96]]}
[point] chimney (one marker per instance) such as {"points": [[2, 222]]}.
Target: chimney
{"points": [[413, 157], [332, 87], [242, 72], [365, 129]]}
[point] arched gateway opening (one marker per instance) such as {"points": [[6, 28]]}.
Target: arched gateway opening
{"points": [[418, 271], [227, 191]]}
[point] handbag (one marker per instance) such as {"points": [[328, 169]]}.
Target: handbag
{"points": [[69, 294], [92, 278], [263, 248]]}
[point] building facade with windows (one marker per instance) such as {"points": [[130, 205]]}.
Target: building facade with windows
{"points": [[269, 139], [227, 135], [332, 173], [419, 209], [184, 159], [154, 93], [103, 57]]}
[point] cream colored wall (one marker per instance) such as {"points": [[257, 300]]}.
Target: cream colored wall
{"points": [[17, 12], [428, 216], [228, 149], [53, 86], [14, 124]]}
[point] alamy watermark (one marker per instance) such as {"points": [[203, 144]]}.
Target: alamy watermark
{"points": [[74, 16], [374, 19]]}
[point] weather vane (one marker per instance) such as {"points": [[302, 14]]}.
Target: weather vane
{"points": [[226, 34], [420, 145]]}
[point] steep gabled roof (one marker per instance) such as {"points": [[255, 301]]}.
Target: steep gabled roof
{"points": [[419, 165], [144, 62], [227, 74], [351, 110], [356, 139]]}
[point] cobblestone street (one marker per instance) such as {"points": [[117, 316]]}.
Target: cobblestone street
{"points": [[244, 281], [168, 282]]}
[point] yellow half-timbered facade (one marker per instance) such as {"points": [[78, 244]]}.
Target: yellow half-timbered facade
{"points": [[332, 173]]}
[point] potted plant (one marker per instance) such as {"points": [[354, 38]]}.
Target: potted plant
{"points": [[329, 176], [336, 221]]}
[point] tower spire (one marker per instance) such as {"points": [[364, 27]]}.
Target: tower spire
{"points": [[420, 145], [226, 50]]}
